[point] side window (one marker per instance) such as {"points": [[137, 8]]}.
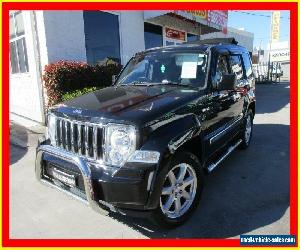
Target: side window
{"points": [[236, 67], [247, 65], [221, 69]]}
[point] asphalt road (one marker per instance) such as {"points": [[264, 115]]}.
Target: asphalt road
{"points": [[247, 194]]}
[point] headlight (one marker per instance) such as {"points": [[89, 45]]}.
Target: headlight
{"points": [[51, 128], [120, 143]]}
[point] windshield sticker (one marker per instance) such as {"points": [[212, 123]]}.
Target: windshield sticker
{"points": [[162, 68], [189, 70]]}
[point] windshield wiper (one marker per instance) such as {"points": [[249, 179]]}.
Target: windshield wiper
{"points": [[137, 83], [134, 83], [173, 84]]}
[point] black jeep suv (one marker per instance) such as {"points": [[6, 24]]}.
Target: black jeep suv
{"points": [[143, 145]]}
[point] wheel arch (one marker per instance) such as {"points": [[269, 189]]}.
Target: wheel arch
{"points": [[252, 107], [182, 134]]}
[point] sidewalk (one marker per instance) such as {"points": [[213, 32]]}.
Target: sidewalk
{"points": [[25, 136]]}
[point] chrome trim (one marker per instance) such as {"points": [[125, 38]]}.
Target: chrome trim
{"points": [[177, 142], [86, 140], [64, 191], [79, 137], [212, 166], [79, 162], [60, 132], [83, 141], [150, 178], [66, 135], [72, 136], [215, 137], [95, 137]]}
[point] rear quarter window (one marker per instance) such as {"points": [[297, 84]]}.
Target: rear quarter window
{"points": [[235, 64]]}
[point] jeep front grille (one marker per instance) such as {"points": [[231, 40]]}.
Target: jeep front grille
{"points": [[79, 137]]}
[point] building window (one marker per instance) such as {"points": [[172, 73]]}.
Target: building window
{"points": [[102, 40], [17, 44], [153, 35], [192, 37]]}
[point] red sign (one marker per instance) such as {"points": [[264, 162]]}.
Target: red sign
{"points": [[219, 18], [175, 34]]}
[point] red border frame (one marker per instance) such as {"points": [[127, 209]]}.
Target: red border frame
{"points": [[7, 242]]}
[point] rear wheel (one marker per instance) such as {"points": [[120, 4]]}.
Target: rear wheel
{"points": [[181, 190], [247, 131]]}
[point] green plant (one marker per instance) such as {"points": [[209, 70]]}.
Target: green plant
{"points": [[70, 95], [68, 76]]}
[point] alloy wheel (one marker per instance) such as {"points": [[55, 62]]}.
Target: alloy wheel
{"points": [[248, 129], [179, 190]]}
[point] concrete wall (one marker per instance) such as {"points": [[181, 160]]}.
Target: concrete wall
{"points": [[131, 25], [65, 37], [24, 88]]}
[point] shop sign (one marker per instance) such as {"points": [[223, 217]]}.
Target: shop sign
{"points": [[175, 34], [218, 18], [275, 26], [280, 55], [198, 13]]}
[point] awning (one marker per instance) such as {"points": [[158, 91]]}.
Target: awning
{"points": [[216, 19]]}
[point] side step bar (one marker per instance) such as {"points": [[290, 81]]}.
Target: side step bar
{"points": [[212, 166]]}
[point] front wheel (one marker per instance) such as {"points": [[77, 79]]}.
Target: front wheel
{"points": [[181, 190]]}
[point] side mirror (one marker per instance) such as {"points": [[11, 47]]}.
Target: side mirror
{"points": [[113, 79], [228, 82]]}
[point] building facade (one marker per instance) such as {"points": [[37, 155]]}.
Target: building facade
{"points": [[277, 53], [38, 38], [243, 37]]}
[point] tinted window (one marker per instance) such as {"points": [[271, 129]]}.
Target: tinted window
{"points": [[236, 67], [247, 65], [153, 36], [221, 69], [102, 39], [166, 68]]}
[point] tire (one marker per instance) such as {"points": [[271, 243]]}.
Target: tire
{"points": [[175, 192], [246, 135]]}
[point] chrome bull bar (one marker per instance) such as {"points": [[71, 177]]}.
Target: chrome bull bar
{"points": [[79, 162]]}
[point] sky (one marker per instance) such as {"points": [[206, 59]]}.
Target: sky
{"points": [[258, 22]]}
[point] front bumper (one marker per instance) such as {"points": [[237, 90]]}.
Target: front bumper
{"points": [[103, 188]]}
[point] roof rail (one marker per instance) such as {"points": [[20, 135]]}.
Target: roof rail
{"points": [[229, 40]]}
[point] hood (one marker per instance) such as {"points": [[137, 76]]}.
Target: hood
{"points": [[139, 104]]}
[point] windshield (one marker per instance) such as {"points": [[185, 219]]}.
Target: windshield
{"points": [[166, 68]]}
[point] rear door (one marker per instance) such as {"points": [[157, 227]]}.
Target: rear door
{"points": [[249, 76], [237, 68], [225, 106], [218, 108]]}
